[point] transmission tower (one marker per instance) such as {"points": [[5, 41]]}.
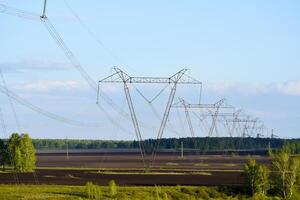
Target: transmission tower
{"points": [[211, 110], [120, 77]]}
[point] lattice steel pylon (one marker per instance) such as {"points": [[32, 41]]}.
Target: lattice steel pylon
{"points": [[120, 77], [247, 126], [214, 112]]}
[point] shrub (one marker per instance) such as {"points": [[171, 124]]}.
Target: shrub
{"points": [[22, 152], [165, 196], [286, 174], [112, 188], [92, 191], [257, 177], [157, 192]]}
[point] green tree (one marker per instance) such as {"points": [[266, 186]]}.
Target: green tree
{"points": [[112, 188], [4, 155], [256, 177], [22, 152], [286, 174], [92, 191], [14, 150], [27, 153], [89, 190], [263, 179]]}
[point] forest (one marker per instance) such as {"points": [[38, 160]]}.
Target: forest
{"points": [[202, 143]]}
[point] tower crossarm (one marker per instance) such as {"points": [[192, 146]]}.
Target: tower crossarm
{"points": [[243, 120], [220, 104], [121, 77]]}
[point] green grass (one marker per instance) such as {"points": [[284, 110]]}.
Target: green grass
{"points": [[55, 192], [46, 192], [52, 192]]}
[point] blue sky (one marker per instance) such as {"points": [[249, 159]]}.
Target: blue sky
{"points": [[245, 51]]}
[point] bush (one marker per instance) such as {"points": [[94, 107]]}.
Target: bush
{"points": [[112, 188], [257, 177], [92, 191], [286, 174], [22, 152]]}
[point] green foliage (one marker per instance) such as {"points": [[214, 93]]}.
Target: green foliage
{"points": [[286, 174], [4, 155], [257, 177], [292, 147], [22, 152], [112, 188], [92, 191], [213, 143], [258, 196], [165, 196], [157, 192], [89, 189], [263, 179], [87, 192]]}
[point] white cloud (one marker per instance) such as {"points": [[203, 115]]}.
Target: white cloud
{"points": [[45, 86], [289, 88], [286, 88], [20, 66], [245, 88]]}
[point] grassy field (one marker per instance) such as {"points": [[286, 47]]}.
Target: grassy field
{"points": [[54, 192], [12, 192]]}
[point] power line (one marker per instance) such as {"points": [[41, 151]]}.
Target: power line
{"points": [[12, 106], [96, 38], [18, 13], [46, 113]]}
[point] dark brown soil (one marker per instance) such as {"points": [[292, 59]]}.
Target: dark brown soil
{"points": [[190, 170], [190, 162], [80, 177]]}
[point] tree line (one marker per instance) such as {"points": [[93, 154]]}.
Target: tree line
{"points": [[205, 144]]}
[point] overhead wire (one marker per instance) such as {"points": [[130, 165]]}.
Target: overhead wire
{"points": [[102, 45], [182, 124], [169, 125], [95, 37], [46, 113], [12, 106], [69, 54], [153, 98], [54, 34], [71, 57], [29, 16], [23, 14], [18, 13]]}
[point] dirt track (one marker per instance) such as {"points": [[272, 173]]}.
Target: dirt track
{"points": [[167, 170]]}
